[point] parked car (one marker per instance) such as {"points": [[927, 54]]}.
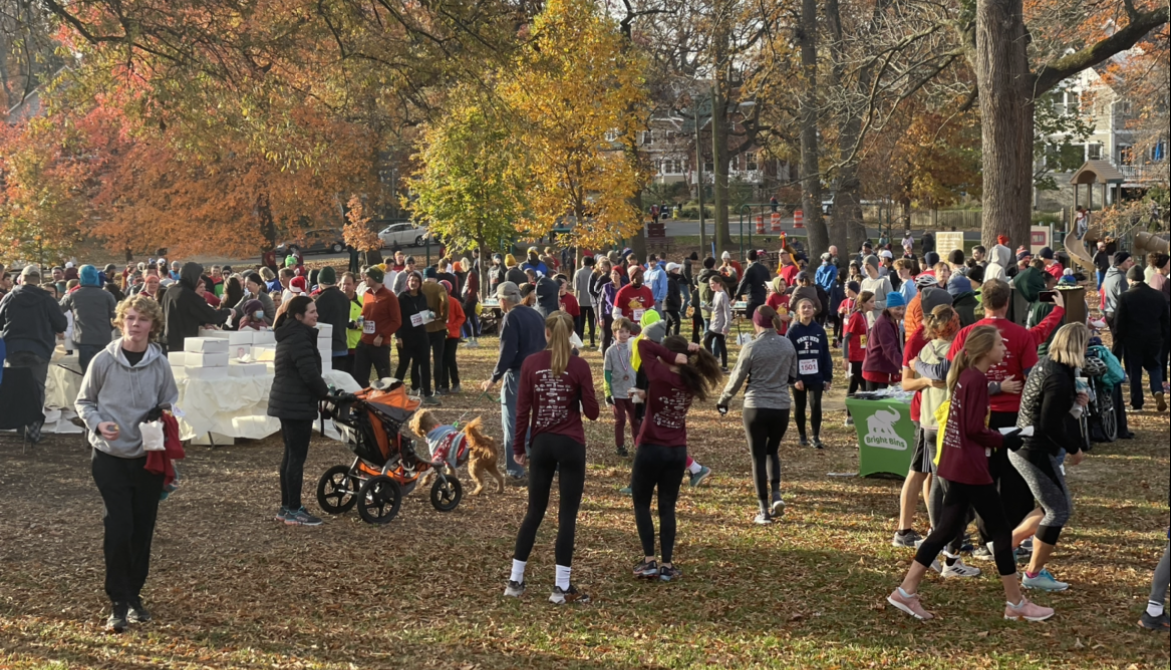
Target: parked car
{"points": [[316, 242], [404, 235]]}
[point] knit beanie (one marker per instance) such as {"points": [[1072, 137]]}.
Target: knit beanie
{"points": [[89, 276], [895, 299], [327, 276], [376, 274]]}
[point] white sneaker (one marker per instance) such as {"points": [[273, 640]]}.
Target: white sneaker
{"points": [[960, 571], [937, 566]]}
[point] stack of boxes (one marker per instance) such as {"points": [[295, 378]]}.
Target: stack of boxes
{"points": [[218, 355]]}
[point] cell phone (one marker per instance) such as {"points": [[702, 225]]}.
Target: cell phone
{"points": [[1047, 296]]}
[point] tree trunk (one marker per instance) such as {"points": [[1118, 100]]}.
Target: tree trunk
{"points": [[1006, 113], [847, 228], [810, 164], [267, 225]]}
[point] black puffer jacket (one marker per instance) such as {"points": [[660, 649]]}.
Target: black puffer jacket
{"points": [[1048, 397], [185, 311], [298, 385]]}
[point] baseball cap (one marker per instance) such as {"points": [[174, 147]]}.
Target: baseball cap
{"points": [[673, 267], [508, 291], [31, 271], [886, 253]]}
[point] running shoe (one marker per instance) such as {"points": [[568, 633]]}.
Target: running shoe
{"points": [[626, 491], [1044, 581], [647, 570], [301, 518], [960, 571], [911, 605], [138, 613], [700, 477], [669, 573], [849, 422], [983, 553], [802, 442], [456, 390], [441, 392], [763, 519], [778, 506], [937, 567], [514, 589], [726, 371], [431, 401], [282, 516], [817, 443], [1159, 624], [1161, 401], [906, 540], [118, 621], [622, 451], [1027, 611], [571, 596]]}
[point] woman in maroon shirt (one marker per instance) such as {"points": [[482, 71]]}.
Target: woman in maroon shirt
{"points": [[556, 388], [963, 472], [677, 372]]}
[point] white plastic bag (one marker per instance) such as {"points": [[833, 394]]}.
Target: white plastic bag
{"points": [[152, 436], [575, 342]]}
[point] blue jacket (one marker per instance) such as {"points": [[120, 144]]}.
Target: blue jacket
{"points": [[813, 354], [522, 334], [827, 278], [540, 268], [656, 281]]}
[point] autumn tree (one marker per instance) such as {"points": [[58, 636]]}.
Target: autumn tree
{"points": [[576, 98]]}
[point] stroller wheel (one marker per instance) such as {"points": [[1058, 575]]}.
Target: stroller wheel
{"points": [[379, 500], [337, 490], [445, 496]]}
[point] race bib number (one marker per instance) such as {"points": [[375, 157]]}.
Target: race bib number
{"points": [[638, 315], [617, 313], [807, 367], [417, 320], [368, 327]]}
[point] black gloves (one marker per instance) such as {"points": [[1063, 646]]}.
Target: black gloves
{"points": [[722, 409], [1014, 441], [610, 401]]}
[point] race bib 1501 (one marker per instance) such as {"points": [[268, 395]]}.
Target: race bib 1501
{"points": [[807, 367]]}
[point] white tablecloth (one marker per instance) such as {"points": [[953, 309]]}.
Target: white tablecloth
{"points": [[63, 383]]}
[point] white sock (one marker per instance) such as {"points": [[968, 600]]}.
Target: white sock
{"points": [[563, 577], [518, 571], [1154, 609], [905, 594], [695, 468]]}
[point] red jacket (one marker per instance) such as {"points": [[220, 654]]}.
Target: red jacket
{"points": [[159, 462], [455, 318]]}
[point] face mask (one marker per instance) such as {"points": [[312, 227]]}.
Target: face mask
{"points": [[259, 316]]}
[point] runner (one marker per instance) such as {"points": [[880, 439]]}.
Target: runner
{"points": [[715, 341], [815, 364], [767, 364], [618, 373], [678, 372], [884, 346], [1052, 404], [556, 388], [964, 469]]}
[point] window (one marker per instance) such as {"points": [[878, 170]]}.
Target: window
{"points": [[1159, 151], [658, 167], [1072, 102], [1094, 152], [1125, 155], [750, 160], [735, 163], [611, 135]]}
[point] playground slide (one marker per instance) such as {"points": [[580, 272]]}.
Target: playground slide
{"points": [[1077, 252]]}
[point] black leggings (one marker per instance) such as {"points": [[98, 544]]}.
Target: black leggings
{"points": [[674, 321], [296, 434], [1016, 499], [765, 429], [585, 320], [607, 332], [872, 387], [661, 467], [450, 369], [552, 454], [956, 500], [856, 381], [415, 355], [711, 339], [813, 398]]}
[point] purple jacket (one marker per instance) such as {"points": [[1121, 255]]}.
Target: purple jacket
{"points": [[884, 347], [609, 291]]}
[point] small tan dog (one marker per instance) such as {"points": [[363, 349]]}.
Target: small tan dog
{"points": [[456, 447]]}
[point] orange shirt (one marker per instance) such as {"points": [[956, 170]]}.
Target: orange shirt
{"points": [[380, 308], [455, 318]]}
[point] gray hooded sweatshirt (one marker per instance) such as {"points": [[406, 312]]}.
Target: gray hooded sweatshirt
{"points": [[998, 267], [114, 391]]}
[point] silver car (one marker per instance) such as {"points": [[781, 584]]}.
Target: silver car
{"points": [[403, 234]]}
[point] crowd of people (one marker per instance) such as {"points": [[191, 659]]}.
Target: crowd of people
{"points": [[997, 402]]}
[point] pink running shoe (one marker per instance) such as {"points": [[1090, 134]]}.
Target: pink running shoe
{"points": [[1027, 612], [910, 605]]}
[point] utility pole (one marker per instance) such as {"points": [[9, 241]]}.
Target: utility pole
{"points": [[699, 173]]}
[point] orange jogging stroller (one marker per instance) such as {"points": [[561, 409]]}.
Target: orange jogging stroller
{"points": [[386, 467]]}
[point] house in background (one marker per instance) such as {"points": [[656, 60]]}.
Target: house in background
{"points": [[1121, 161]]}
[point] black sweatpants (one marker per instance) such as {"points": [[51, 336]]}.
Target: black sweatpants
{"points": [[553, 455], [660, 467], [812, 398], [607, 332], [296, 434], [415, 355], [586, 320], [366, 355], [1016, 499], [956, 500], [710, 342], [856, 381], [450, 377], [438, 344], [131, 497], [765, 429]]}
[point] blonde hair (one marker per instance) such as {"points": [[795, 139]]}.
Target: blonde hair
{"points": [[1069, 345], [560, 327], [147, 308], [981, 340]]}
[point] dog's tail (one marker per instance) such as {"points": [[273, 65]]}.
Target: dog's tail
{"points": [[478, 443]]}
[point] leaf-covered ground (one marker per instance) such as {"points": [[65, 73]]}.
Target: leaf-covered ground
{"points": [[232, 589]]}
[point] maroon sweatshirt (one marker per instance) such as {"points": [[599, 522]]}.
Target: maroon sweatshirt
{"points": [[968, 442], [553, 404], [668, 400]]}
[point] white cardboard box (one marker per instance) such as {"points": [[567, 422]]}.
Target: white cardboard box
{"points": [[325, 330], [178, 372], [238, 351], [208, 374], [263, 337], [264, 352], [177, 358], [206, 360], [247, 370], [242, 337], [205, 345]]}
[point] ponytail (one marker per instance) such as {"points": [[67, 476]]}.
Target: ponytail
{"points": [[560, 327], [980, 341], [702, 372]]}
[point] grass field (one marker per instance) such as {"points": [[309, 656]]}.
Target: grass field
{"points": [[231, 589]]}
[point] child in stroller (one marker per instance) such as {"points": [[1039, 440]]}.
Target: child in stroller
{"points": [[386, 466]]}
